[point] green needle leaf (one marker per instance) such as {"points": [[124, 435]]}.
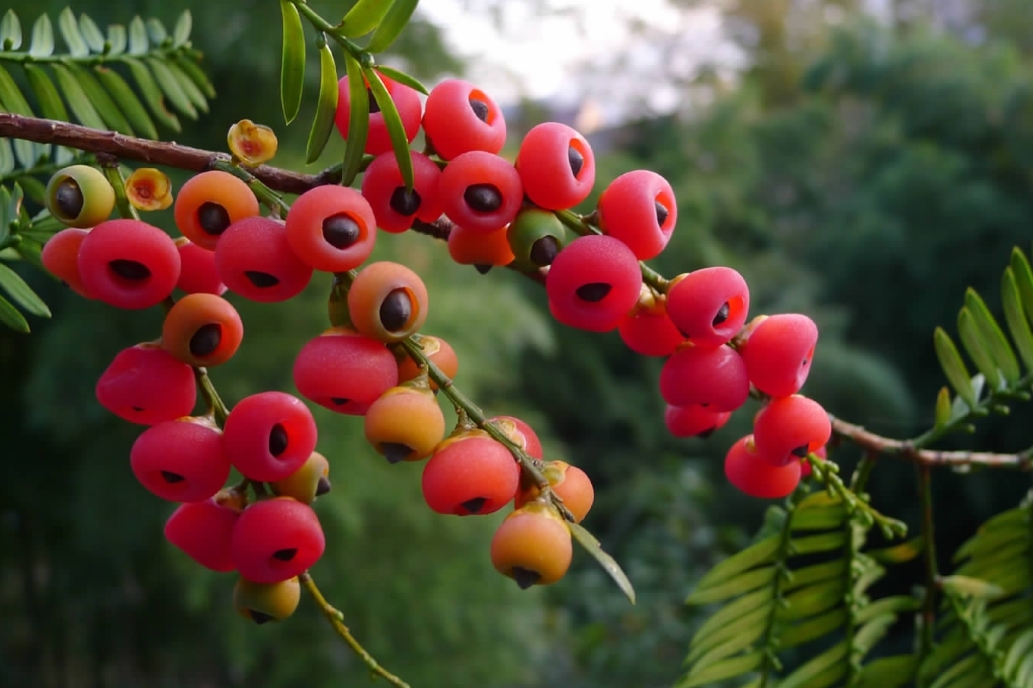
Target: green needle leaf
{"points": [[11, 96], [181, 32], [152, 94], [7, 161], [977, 348], [326, 107], [10, 31], [77, 99], [1024, 280], [292, 61], [993, 337], [1014, 316], [105, 106], [954, 367], [118, 39], [138, 40], [970, 587], [591, 545], [70, 32], [156, 30], [196, 74], [403, 78], [21, 293], [391, 26], [12, 317], [171, 87], [395, 128], [42, 37], [358, 120], [943, 408], [131, 105], [91, 33], [191, 89], [363, 17]]}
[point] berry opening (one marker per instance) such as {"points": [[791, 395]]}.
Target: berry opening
{"points": [[129, 269], [405, 202], [69, 198], [576, 156], [480, 108], [483, 198], [396, 310], [285, 554], [474, 505], [544, 251], [278, 440], [213, 218], [525, 578], [341, 231], [206, 340], [262, 280], [171, 478], [593, 292], [395, 452], [662, 213]]}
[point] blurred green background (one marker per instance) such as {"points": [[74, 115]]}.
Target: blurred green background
{"points": [[863, 172]]}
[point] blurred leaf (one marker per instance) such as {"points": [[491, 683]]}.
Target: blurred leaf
{"points": [[21, 293], [395, 128], [171, 87], [91, 33], [128, 100], [1014, 316], [69, 28], [10, 31], [592, 546], [358, 120], [11, 96], [78, 101], [42, 37], [156, 30], [152, 94], [10, 316], [363, 17], [117, 39], [889, 672], [193, 70], [403, 78], [943, 407], [395, 20], [954, 367], [191, 89], [102, 102], [993, 337], [181, 31], [292, 61], [138, 41], [6, 157], [897, 554], [30, 251], [970, 587], [326, 106], [977, 349], [50, 103]]}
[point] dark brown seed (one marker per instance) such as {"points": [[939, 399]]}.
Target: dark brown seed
{"points": [[722, 314], [576, 161], [484, 198], [213, 218], [405, 202], [474, 505], [277, 440], [593, 291], [395, 451], [661, 213], [69, 199], [262, 280], [206, 339], [373, 105], [285, 554], [339, 401], [172, 478], [395, 310], [525, 578], [480, 108], [801, 451], [341, 231], [322, 486], [484, 269], [138, 409], [259, 617], [544, 251], [130, 269]]}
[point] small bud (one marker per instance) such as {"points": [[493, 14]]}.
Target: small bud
{"points": [[149, 189], [252, 144]]}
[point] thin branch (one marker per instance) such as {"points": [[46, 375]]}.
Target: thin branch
{"points": [[928, 616]]}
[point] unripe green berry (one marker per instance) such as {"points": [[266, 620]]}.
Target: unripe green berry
{"points": [[80, 196], [264, 602], [535, 237]]}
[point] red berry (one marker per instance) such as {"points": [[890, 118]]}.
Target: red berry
{"points": [[145, 384], [198, 274], [181, 460], [210, 202], [276, 539], [394, 206], [639, 208], [709, 306], [459, 118], [752, 475], [60, 256], [255, 260], [522, 434], [485, 251], [779, 352], [387, 301], [556, 165], [344, 371], [570, 483], [593, 283], [128, 264], [480, 191], [269, 435], [202, 330], [406, 100], [650, 333], [331, 228], [694, 421], [790, 428], [440, 354], [203, 531], [470, 474], [715, 377]]}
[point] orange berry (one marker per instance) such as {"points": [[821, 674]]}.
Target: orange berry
{"points": [[532, 546], [202, 330], [210, 202], [405, 424], [438, 351], [387, 301], [570, 483]]}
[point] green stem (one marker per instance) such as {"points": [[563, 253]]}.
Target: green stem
{"points": [[928, 616], [118, 182], [828, 472], [863, 471], [331, 30], [93, 59], [272, 199]]}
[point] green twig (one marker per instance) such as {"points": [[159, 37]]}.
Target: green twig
{"points": [[118, 182], [320, 24], [928, 614], [824, 470]]}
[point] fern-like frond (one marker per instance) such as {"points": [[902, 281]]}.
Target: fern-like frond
{"points": [[804, 585], [21, 239]]}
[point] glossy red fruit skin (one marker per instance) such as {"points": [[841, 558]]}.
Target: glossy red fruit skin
{"points": [[470, 468], [452, 126], [145, 384], [696, 300], [203, 531], [705, 376], [788, 425], [305, 231], [748, 472], [60, 256], [198, 274], [135, 241], [378, 141], [588, 260], [190, 448], [522, 434], [383, 179], [344, 365], [627, 210], [545, 170], [694, 421], [779, 352], [480, 168], [246, 435], [259, 245], [276, 525], [650, 333]]}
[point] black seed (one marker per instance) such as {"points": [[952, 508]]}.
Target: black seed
{"points": [[285, 554], [341, 231], [339, 401], [480, 108], [278, 440], [69, 199], [706, 433], [405, 202], [262, 280], [706, 405], [661, 213], [395, 310], [322, 487], [722, 314], [259, 617], [484, 198], [593, 291], [213, 218], [172, 478], [525, 578], [474, 505], [576, 161], [129, 269], [138, 409], [544, 251], [484, 269], [373, 106], [395, 451], [801, 451], [206, 339]]}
